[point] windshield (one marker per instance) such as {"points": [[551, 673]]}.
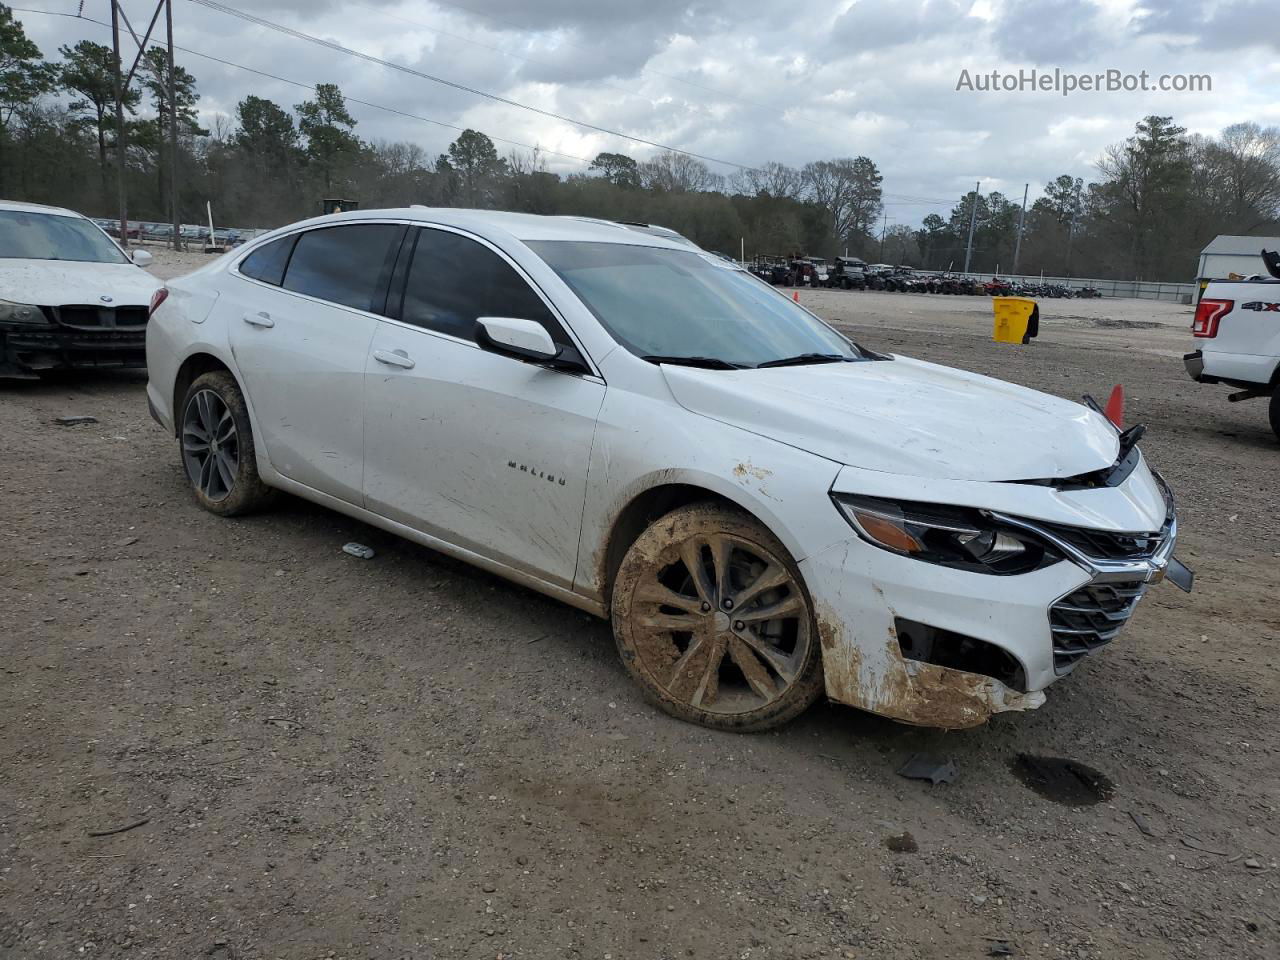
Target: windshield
{"points": [[677, 303], [44, 236]]}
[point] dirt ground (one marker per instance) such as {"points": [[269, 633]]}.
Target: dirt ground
{"points": [[405, 757]]}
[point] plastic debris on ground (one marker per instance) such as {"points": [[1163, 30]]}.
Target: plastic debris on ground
{"points": [[922, 766]]}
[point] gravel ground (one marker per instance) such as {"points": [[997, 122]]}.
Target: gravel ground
{"points": [[167, 263], [406, 757]]}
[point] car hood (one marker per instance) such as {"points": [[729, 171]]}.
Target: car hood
{"points": [[52, 283], [905, 417]]}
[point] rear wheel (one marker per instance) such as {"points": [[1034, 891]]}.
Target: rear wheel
{"points": [[712, 619], [216, 444], [1275, 412]]}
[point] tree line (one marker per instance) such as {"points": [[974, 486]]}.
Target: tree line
{"points": [[1159, 196]]}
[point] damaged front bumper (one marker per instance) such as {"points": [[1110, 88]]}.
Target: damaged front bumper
{"points": [[941, 647], [27, 349]]}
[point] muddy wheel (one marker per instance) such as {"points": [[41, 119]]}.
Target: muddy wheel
{"points": [[1275, 412], [712, 618], [216, 444]]}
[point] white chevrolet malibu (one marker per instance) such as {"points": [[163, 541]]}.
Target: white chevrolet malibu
{"points": [[766, 511]]}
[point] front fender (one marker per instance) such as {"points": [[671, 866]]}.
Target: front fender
{"points": [[787, 489]]}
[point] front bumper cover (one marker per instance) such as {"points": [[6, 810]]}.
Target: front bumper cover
{"points": [[27, 349], [862, 594]]}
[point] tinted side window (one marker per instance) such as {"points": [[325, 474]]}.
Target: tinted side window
{"points": [[346, 264], [453, 280], [267, 263]]}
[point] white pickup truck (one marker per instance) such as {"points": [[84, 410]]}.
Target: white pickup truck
{"points": [[1237, 325]]}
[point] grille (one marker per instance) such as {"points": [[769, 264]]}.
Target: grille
{"points": [[1102, 545], [1090, 618], [91, 316]]}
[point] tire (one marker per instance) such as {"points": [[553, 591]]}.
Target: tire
{"points": [[1274, 411], [730, 670], [224, 480]]}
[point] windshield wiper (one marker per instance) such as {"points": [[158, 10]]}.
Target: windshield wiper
{"points": [[708, 363], [803, 358]]}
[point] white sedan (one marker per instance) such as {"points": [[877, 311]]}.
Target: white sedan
{"points": [[69, 296], [766, 511]]}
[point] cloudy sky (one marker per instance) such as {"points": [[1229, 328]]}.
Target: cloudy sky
{"points": [[744, 81]]}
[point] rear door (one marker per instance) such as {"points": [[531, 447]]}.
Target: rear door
{"points": [[302, 315], [484, 451]]}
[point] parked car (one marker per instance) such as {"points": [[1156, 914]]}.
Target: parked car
{"points": [[1239, 340], [765, 510], [69, 296], [113, 229]]}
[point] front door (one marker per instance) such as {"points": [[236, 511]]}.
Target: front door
{"points": [[484, 451]]}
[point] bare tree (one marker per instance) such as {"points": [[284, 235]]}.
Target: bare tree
{"points": [[773, 179], [849, 188], [677, 173], [1243, 170]]}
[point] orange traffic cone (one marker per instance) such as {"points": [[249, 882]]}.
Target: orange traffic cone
{"points": [[795, 295], [1115, 406]]}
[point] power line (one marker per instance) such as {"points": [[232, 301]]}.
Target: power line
{"points": [[646, 69], [895, 198], [308, 86], [888, 199], [339, 48], [773, 117]]}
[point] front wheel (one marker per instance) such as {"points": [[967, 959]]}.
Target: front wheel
{"points": [[712, 619], [1275, 412], [217, 448]]}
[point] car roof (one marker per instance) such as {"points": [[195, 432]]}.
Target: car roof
{"points": [[501, 225], [25, 207]]}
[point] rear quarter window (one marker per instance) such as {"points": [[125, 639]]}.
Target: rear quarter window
{"points": [[267, 263]]}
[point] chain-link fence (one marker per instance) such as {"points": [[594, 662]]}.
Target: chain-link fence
{"points": [[1140, 289]]}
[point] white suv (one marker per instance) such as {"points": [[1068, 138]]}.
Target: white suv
{"points": [[766, 511]]}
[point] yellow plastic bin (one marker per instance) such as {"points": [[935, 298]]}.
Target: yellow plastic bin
{"points": [[1017, 319]]}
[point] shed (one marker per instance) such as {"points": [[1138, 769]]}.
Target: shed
{"points": [[1226, 255]]}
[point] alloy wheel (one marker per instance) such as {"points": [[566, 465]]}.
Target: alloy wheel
{"points": [[721, 624], [210, 445]]}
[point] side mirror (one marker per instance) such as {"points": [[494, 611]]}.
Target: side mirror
{"points": [[141, 257], [513, 337]]}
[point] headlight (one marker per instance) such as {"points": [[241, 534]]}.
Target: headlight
{"points": [[957, 537], [20, 313]]}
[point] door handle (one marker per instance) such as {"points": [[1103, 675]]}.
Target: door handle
{"points": [[395, 358], [260, 319]]}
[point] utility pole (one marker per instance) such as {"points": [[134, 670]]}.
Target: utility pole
{"points": [[1071, 233], [1017, 245], [883, 224], [173, 134], [121, 138], [973, 219]]}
